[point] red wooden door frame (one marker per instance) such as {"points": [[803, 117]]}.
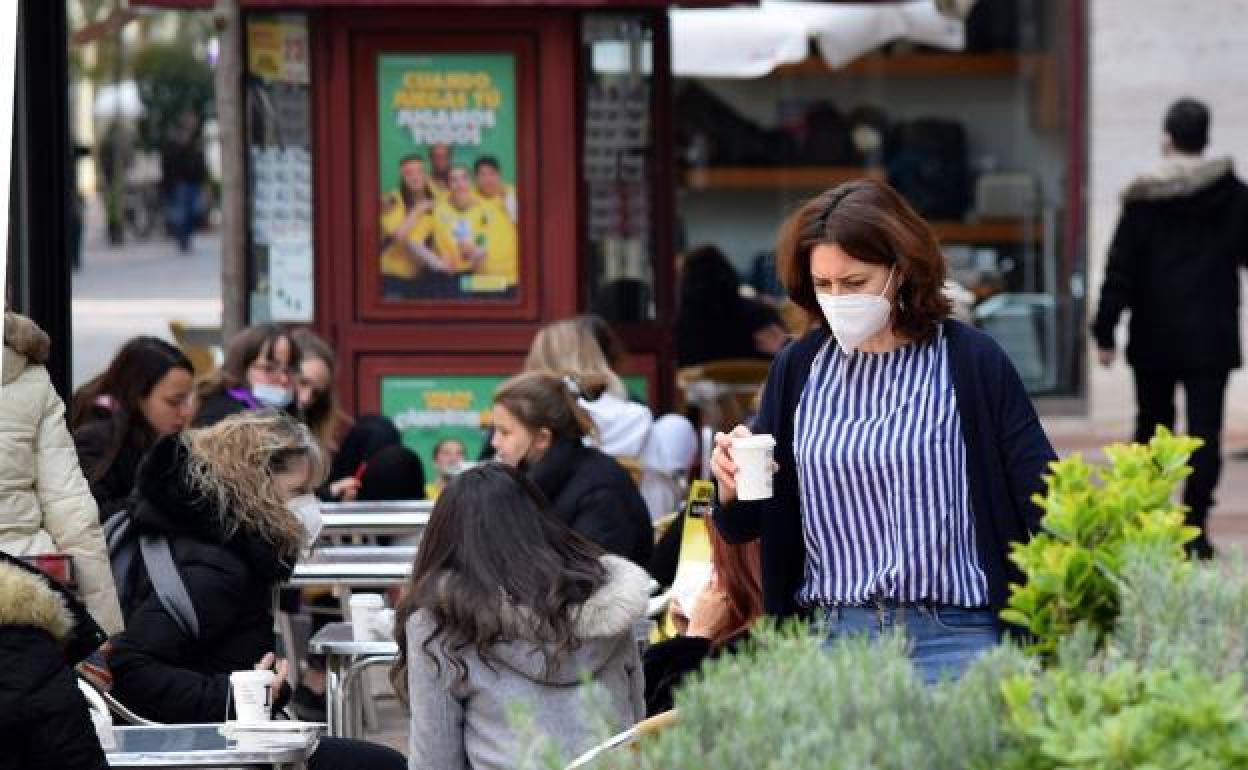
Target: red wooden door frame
{"points": [[443, 343]]}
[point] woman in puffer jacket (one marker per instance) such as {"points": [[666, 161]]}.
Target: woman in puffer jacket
{"points": [[44, 720], [45, 503]]}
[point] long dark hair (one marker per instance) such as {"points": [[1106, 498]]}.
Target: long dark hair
{"points": [[493, 545], [137, 368]]}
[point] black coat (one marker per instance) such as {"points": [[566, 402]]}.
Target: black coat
{"points": [[113, 488], [1174, 263], [597, 498], [217, 406], [158, 671], [44, 630]]}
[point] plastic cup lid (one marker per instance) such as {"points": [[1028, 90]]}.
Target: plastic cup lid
{"points": [[760, 441]]}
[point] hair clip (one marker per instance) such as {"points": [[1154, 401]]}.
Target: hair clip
{"points": [[569, 382]]}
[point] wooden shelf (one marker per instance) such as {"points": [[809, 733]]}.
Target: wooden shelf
{"points": [[773, 177], [1002, 231], [913, 65]]}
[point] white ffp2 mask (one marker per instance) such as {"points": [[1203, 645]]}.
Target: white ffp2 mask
{"points": [[307, 509], [855, 318]]}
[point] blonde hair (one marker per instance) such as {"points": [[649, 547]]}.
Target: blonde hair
{"points": [[233, 463], [569, 348]]}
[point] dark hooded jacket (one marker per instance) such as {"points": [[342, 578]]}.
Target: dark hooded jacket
{"points": [[1174, 263], [44, 719], [597, 498], [160, 672]]}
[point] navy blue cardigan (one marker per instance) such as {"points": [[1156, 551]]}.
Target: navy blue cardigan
{"points": [[1007, 454]]}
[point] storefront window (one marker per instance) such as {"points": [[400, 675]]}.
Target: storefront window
{"points": [[618, 165], [968, 119], [279, 157]]}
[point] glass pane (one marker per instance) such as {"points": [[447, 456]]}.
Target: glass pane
{"points": [[966, 119], [619, 165], [279, 151]]}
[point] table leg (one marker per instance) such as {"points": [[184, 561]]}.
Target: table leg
{"points": [[335, 669]]}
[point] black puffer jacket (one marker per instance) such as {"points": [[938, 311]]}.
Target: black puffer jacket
{"points": [[44, 720], [113, 488], [1174, 263], [597, 498], [158, 671]]}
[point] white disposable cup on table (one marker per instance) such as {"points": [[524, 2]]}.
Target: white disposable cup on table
{"points": [[753, 456], [252, 693], [363, 608]]}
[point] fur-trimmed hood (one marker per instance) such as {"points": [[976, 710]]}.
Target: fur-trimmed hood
{"points": [[24, 343], [26, 600], [1179, 177], [602, 623]]}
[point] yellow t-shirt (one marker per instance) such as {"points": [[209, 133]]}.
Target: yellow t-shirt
{"points": [[396, 260], [487, 226]]}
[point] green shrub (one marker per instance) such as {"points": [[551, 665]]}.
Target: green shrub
{"points": [[1093, 517], [171, 80], [1121, 716]]}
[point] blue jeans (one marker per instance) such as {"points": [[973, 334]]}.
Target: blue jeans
{"points": [[183, 212], [943, 640]]}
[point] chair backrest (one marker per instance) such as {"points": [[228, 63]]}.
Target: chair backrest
{"points": [[115, 707], [201, 357], [626, 739]]}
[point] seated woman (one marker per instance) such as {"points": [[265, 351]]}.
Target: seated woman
{"points": [[540, 428], [717, 620], [714, 322], [261, 363], [234, 502], [316, 389], [509, 608], [44, 630], [664, 449], [144, 394]]}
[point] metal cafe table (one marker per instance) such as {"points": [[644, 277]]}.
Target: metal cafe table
{"points": [[369, 519], [345, 660], [203, 746]]}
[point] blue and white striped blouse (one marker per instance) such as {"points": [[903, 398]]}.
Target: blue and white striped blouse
{"points": [[881, 465]]}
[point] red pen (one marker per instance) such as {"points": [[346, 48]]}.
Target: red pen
{"points": [[359, 472]]}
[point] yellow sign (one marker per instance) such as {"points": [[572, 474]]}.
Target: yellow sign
{"points": [[693, 568], [278, 51]]}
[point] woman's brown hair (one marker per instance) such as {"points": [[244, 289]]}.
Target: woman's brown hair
{"points": [[871, 222], [543, 399], [325, 415], [739, 575], [244, 349]]}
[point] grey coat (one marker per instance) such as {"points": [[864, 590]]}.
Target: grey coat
{"points": [[466, 725]]}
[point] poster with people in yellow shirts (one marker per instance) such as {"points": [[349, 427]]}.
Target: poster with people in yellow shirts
{"points": [[447, 147]]}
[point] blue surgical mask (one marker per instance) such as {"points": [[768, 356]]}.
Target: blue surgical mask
{"points": [[272, 395]]}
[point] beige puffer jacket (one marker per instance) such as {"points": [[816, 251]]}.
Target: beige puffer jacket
{"points": [[45, 505]]}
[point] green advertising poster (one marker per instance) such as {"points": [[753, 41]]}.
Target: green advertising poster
{"points": [[429, 409], [447, 173]]}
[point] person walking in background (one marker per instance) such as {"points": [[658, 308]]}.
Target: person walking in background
{"points": [[1174, 264], [182, 175], [45, 503], [908, 449], [507, 607], [145, 393]]}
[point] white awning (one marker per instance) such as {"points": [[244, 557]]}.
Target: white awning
{"points": [[751, 42]]}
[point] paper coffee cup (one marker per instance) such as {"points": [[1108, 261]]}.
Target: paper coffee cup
{"points": [[753, 456], [363, 607], [252, 695]]}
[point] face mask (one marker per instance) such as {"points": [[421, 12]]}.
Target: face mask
{"points": [[307, 509], [271, 395], [855, 318]]}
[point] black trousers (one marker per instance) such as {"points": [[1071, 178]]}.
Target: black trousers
{"points": [[347, 754], [1206, 394]]}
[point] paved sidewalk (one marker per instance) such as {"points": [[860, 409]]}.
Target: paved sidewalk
{"points": [[137, 288]]}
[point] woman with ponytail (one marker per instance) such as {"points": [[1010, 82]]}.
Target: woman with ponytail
{"points": [[540, 429]]}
